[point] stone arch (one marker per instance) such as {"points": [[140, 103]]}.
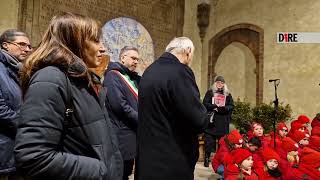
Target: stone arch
{"points": [[248, 34]]}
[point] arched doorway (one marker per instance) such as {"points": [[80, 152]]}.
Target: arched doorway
{"points": [[248, 35], [240, 72]]}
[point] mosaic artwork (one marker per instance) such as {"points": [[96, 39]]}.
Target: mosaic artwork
{"points": [[123, 31]]}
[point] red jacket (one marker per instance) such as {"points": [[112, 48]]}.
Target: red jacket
{"points": [[297, 174], [219, 157], [232, 172], [310, 171], [278, 141], [258, 162], [284, 165]]}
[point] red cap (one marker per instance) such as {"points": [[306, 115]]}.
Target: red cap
{"points": [[281, 126], [235, 137], [314, 142], [269, 153], [295, 125], [240, 154], [303, 119], [315, 131], [289, 145], [298, 135]]}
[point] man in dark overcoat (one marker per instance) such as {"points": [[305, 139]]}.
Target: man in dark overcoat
{"points": [[171, 116], [121, 81], [14, 49]]}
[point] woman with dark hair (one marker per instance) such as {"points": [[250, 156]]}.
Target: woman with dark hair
{"points": [[65, 131]]}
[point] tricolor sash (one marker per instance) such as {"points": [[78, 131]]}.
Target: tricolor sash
{"points": [[126, 79]]}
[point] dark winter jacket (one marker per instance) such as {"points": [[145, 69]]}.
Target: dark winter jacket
{"points": [[170, 118], [122, 104], [10, 101], [48, 147], [222, 117]]}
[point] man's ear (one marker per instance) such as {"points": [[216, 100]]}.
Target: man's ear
{"points": [[189, 50], [121, 61], [4, 45]]}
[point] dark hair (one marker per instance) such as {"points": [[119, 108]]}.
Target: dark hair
{"points": [[10, 35], [63, 44], [127, 48], [274, 173], [255, 141]]}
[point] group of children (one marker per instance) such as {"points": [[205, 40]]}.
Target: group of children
{"points": [[287, 154]]}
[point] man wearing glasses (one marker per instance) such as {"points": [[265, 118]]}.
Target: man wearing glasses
{"points": [[121, 81], [15, 48]]}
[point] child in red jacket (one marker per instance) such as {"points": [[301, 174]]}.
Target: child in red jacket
{"points": [[302, 138], [271, 161], [296, 125], [289, 159], [226, 145], [241, 168], [281, 132], [254, 145], [257, 131]]}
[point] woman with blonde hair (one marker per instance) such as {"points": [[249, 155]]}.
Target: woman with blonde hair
{"points": [[219, 104], [64, 130]]}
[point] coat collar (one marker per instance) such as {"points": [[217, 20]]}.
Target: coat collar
{"points": [[122, 69], [11, 61], [168, 55]]}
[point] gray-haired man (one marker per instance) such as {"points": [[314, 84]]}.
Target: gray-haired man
{"points": [[15, 48]]}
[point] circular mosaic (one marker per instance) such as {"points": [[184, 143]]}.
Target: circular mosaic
{"points": [[123, 31]]}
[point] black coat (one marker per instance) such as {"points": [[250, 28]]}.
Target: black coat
{"points": [[122, 107], [170, 118], [222, 117], [89, 149]]}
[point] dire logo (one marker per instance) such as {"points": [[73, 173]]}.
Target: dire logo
{"points": [[287, 37]]}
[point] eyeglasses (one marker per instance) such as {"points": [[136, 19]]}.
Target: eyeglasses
{"points": [[21, 45], [133, 58]]}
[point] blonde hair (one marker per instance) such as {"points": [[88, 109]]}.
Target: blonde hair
{"points": [[292, 156]]}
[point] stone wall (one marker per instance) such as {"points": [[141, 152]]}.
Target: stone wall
{"points": [[239, 59], [163, 19], [295, 64], [191, 30], [9, 14]]}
